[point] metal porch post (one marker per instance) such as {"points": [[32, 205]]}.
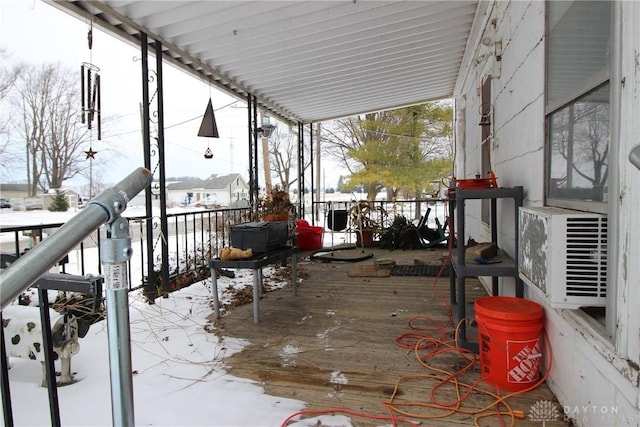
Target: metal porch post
{"points": [[150, 289], [311, 192], [301, 170], [164, 227], [254, 188]]}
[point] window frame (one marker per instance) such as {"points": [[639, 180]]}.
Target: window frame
{"points": [[595, 80], [604, 320]]}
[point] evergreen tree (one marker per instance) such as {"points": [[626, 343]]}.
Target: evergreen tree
{"points": [[59, 203]]}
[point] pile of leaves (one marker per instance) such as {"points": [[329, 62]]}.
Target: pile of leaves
{"points": [[244, 295], [276, 202]]}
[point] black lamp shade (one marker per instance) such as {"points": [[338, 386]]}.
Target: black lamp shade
{"points": [[208, 126]]}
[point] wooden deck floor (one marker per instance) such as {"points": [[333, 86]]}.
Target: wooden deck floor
{"points": [[334, 344]]}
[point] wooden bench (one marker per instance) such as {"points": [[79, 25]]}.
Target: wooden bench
{"points": [[254, 263]]}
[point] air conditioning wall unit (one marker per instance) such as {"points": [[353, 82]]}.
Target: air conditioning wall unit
{"points": [[563, 254]]}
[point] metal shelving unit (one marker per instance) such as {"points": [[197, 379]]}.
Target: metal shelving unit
{"points": [[459, 270]]}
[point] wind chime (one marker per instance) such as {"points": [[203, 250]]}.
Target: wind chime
{"points": [[90, 104], [208, 128]]}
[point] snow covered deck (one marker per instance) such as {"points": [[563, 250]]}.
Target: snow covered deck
{"points": [[335, 345]]}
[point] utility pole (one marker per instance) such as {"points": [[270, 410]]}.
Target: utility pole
{"points": [[231, 165], [266, 164]]}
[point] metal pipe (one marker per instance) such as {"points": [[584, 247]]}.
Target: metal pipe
{"points": [[117, 301], [116, 252], [29, 267]]}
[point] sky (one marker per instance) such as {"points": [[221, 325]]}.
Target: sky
{"points": [[175, 355], [36, 33]]}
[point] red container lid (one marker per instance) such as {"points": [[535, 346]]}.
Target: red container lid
{"points": [[509, 308]]}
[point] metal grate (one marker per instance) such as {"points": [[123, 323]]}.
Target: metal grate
{"points": [[419, 270], [586, 268]]}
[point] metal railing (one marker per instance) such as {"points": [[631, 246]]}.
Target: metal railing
{"points": [[382, 212], [81, 247], [29, 268], [193, 238]]}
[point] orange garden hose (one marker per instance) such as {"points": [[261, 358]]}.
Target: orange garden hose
{"points": [[442, 340], [330, 411]]}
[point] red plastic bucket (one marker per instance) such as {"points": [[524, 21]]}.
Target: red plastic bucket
{"points": [[308, 237], [509, 340]]}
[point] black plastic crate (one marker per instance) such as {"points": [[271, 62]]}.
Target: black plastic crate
{"points": [[262, 236]]}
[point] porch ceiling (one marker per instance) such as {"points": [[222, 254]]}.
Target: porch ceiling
{"points": [[305, 61]]}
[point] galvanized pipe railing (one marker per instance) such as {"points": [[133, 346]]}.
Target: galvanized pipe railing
{"points": [[28, 268], [194, 236], [105, 208]]}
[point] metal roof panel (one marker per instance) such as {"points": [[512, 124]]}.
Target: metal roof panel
{"points": [[305, 61]]}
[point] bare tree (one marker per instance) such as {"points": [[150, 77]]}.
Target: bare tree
{"points": [[8, 78], [47, 99], [283, 156], [580, 146]]}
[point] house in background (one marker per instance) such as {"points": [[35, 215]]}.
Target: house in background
{"points": [[13, 191], [73, 198], [547, 98], [224, 190], [18, 196]]}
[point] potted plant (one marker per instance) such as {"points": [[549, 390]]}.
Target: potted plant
{"points": [[366, 221], [276, 206]]}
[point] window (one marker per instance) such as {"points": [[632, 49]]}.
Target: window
{"points": [[578, 93], [578, 148]]}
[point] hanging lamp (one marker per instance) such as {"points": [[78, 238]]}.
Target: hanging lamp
{"points": [[208, 128]]}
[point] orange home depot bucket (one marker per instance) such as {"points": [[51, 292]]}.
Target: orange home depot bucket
{"points": [[509, 332]]}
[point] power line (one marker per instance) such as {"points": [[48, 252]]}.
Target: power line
{"points": [[170, 126]]}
